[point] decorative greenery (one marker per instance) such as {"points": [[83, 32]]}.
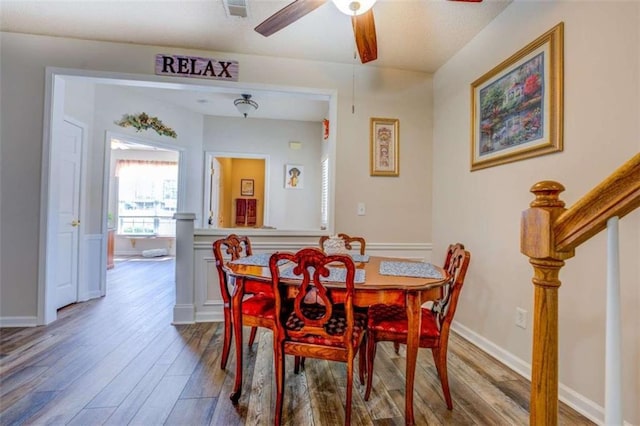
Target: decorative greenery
{"points": [[143, 122]]}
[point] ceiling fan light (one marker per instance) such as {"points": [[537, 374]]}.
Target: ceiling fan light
{"points": [[245, 105], [354, 7]]}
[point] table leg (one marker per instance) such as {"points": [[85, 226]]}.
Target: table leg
{"points": [[413, 342], [236, 314]]}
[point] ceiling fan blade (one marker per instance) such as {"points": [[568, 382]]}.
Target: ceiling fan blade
{"points": [[364, 29], [287, 15]]}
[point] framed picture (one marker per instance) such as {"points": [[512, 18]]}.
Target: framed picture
{"points": [[246, 187], [293, 176], [385, 147], [517, 107]]}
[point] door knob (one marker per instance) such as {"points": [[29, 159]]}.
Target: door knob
{"points": [[75, 223]]}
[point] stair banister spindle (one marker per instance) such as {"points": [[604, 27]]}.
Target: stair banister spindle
{"points": [[613, 343]]}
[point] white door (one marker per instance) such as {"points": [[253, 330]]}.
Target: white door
{"points": [[69, 164]]}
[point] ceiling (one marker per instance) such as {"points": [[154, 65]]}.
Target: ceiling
{"points": [[418, 35]]}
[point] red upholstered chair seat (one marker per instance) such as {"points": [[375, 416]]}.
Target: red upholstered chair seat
{"points": [[259, 305], [336, 326], [390, 323], [393, 318]]}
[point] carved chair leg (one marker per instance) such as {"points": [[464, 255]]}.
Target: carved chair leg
{"points": [[228, 332], [298, 364], [396, 347], [371, 354], [252, 336], [347, 413], [278, 360], [362, 360], [440, 359]]}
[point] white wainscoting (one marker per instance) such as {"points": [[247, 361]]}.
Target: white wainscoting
{"points": [[207, 298]]}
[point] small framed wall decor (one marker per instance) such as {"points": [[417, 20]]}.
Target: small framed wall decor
{"points": [[385, 146], [517, 107], [293, 176], [246, 187]]}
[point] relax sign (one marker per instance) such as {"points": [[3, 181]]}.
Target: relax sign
{"points": [[196, 67]]}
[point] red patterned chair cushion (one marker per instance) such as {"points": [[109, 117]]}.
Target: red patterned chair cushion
{"points": [[335, 326], [394, 318], [259, 305]]}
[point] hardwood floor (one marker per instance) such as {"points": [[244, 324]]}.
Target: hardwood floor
{"points": [[118, 360]]}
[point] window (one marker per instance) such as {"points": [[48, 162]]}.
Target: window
{"points": [[147, 197], [324, 194]]}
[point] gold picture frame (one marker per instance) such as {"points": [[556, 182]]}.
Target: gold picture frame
{"points": [[246, 187], [517, 107], [384, 146]]}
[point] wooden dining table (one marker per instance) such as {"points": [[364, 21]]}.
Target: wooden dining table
{"points": [[411, 292]]}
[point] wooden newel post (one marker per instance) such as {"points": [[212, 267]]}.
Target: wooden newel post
{"points": [[537, 241]]}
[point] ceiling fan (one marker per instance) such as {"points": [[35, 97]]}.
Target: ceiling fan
{"points": [[361, 12]]}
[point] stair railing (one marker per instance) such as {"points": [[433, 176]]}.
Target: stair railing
{"points": [[549, 234]]}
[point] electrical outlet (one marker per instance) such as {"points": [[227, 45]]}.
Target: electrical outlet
{"points": [[521, 318], [361, 209]]}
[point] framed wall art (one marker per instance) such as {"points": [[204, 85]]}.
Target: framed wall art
{"points": [[385, 147], [517, 107], [246, 187], [293, 176]]}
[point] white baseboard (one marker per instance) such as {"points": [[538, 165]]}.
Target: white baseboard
{"points": [[183, 314], [210, 316], [573, 399], [18, 321]]}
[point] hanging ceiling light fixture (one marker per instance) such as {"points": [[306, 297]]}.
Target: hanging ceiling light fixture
{"points": [[354, 7], [245, 105]]}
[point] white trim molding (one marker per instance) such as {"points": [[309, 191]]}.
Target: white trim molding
{"points": [[573, 399], [183, 314], [19, 321]]}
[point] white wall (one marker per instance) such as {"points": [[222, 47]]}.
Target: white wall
{"points": [[398, 209], [483, 208], [288, 208]]}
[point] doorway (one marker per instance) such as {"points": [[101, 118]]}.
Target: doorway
{"points": [[235, 191], [143, 196]]}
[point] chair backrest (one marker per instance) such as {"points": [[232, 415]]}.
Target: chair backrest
{"points": [[347, 242], [310, 266], [234, 246], [456, 264]]}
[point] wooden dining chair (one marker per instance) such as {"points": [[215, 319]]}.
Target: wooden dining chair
{"points": [[389, 322], [257, 309], [331, 330], [348, 241]]}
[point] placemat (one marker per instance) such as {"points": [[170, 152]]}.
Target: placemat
{"points": [[409, 269], [360, 257], [338, 275], [261, 259]]}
